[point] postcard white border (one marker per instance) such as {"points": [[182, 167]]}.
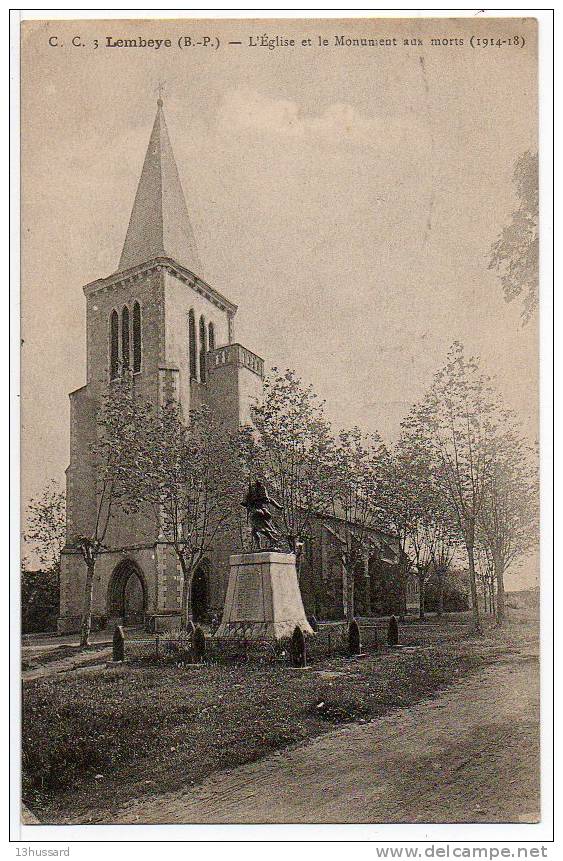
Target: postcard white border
{"points": [[541, 833]]}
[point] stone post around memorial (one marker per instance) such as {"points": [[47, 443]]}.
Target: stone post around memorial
{"points": [[263, 598]]}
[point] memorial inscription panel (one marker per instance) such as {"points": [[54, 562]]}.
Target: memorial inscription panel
{"points": [[248, 598]]}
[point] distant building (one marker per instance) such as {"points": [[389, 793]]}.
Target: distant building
{"points": [[157, 319]]}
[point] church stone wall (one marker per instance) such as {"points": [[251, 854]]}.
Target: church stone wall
{"points": [[219, 575], [169, 579], [73, 578], [235, 384], [250, 390], [223, 395], [81, 492], [145, 559], [147, 289], [179, 298]]}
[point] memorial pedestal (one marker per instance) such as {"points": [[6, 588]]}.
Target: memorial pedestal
{"points": [[263, 598]]}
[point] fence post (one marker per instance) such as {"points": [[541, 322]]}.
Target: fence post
{"points": [[118, 644], [298, 648], [354, 641], [157, 644], [393, 632], [199, 644]]}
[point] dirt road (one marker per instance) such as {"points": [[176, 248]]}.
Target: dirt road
{"points": [[469, 755]]}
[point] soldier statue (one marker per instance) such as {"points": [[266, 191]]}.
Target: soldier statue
{"points": [[256, 503]]}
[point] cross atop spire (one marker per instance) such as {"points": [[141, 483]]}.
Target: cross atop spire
{"points": [[160, 225], [160, 91]]}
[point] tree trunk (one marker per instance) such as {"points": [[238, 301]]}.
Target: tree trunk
{"points": [[298, 560], [403, 575], [421, 596], [366, 585], [86, 622], [499, 573], [349, 594], [186, 610], [473, 584], [440, 595]]}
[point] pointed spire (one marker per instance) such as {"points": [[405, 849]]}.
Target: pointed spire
{"points": [[159, 225]]}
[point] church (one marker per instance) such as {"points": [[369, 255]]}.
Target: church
{"points": [[156, 319]]}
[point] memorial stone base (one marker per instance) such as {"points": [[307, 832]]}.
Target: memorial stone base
{"points": [[263, 598]]}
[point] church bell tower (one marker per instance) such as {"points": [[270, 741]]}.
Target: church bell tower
{"points": [[157, 319]]}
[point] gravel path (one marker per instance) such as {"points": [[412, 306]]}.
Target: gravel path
{"points": [[43, 642], [469, 755], [70, 663]]}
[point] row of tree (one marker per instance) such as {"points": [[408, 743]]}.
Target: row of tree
{"points": [[461, 478], [466, 453]]}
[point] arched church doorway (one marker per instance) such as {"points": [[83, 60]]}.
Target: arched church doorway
{"points": [[200, 593], [127, 597]]}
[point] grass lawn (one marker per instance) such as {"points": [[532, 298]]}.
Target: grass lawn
{"points": [[92, 742]]}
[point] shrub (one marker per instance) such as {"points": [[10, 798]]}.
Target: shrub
{"points": [[39, 600], [177, 646], [199, 644], [393, 632], [298, 652], [454, 598], [354, 642]]}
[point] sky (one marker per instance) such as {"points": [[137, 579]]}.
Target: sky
{"points": [[345, 198]]}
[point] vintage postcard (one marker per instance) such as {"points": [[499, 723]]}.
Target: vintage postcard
{"points": [[280, 422]]}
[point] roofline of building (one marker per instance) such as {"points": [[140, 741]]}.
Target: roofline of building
{"points": [[369, 529], [158, 263]]}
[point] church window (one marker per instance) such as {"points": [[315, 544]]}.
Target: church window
{"points": [[136, 338], [125, 338], [202, 349], [192, 345], [211, 329], [114, 345]]}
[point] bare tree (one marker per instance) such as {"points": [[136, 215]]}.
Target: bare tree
{"points": [[509, 523], [358, 499], [453, 430], [434, 540], [188, 471], [118, 422], [46, 526], [515, 254], [291, 447], [443, 548], [486, 575], [403, 509], [427, 531], [422, 540]]}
